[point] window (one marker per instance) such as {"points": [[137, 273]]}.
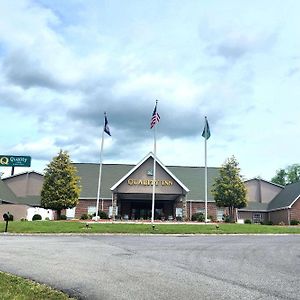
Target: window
{"points": [[220, 213], [91, 210], [178, 212], [201, 210], [70, 213], [110, 211], [257, 217]]}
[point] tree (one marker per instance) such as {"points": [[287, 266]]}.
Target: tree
{"points": [[61, 188], [293, 173], [280, 177], [288, 175], [228, 189]]}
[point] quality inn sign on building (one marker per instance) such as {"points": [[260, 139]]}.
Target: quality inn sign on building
{"points": [[15, 161]]}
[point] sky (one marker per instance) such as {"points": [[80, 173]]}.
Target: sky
{"points": [[64, 63]]}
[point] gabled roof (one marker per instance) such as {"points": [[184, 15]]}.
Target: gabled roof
{"points": [[89, 173], [192, 177], [6, 194], [29, 200], [23, 173], [255, 206], [286, 197], [270, 182], [150, 155]]}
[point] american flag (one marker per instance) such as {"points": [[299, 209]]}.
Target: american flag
{"points": [[155, 117]]}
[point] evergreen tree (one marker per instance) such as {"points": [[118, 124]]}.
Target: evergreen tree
{"points": [[228, 189], [61, 188]]}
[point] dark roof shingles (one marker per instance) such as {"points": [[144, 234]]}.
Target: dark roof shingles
{"points": [[286, 197]]}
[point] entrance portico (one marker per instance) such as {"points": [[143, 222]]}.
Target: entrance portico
{"points": [[132, 194]]}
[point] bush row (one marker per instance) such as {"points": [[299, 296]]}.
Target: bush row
{"points": [[101, 214]]}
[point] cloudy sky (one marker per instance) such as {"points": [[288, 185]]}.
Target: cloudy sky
{"points": [[63, 63]]}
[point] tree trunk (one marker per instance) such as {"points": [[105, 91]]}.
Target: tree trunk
{"points": [[231, 213], [58, 212]]}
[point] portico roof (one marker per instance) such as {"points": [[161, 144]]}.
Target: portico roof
{"points": [[150, 155]]}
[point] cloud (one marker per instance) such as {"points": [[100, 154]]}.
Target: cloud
{"points": [[234, 44], [26, 72], [40, 150], [293, 71], [76, 90]]}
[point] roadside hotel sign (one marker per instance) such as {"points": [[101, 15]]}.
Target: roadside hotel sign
{"points": [[15, 161]]}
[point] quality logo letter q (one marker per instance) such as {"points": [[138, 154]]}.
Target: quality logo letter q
{"points": [[4, 160]]}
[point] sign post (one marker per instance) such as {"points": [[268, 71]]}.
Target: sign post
{"points": [[6, 218], [14, 161]]}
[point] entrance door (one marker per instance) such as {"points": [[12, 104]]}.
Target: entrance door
{"points": [[140, 210]]}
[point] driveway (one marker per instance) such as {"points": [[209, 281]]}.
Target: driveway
{"points": [[159, 267]]}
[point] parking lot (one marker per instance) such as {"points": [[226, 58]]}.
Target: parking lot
{"points": [[158, 267]]}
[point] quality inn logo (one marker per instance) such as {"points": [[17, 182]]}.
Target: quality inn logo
{"points": [[150, 172], [15, 161]]}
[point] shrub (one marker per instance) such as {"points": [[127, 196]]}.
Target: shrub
{"points": [[102, 214], [294, 222], [212, 218], [23, 220], [247, 221], [226, 219], [36, 217], [84, 217], [269, 223], [199, 217], [63, 217], [11, 217]]}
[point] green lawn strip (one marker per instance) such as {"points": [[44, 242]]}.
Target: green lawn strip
{"points": [[17, 288], [80, 227]]}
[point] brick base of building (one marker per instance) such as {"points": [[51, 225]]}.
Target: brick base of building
{"points": [[192, 208], [84, 204]]}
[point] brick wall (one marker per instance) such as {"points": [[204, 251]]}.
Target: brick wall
{"points": [[82, 207], [295, 210], [249, 215], [279, 216], [193, 208], [19, 211]]}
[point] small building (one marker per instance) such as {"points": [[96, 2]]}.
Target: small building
{"points": [[271, 202], [20, 195]]}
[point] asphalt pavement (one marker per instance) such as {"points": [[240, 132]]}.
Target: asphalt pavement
{"points": [[159, 267]]}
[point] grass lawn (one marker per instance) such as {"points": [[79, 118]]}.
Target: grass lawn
{"points": [[160, 228], [17, 288]]}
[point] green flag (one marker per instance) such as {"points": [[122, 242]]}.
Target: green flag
{"points": [[206, 131]]}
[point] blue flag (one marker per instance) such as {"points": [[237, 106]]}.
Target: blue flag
{"points": [[106, 128]]}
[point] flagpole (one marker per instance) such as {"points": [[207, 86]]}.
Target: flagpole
{"points": [[205, 154], [99, 178], [154, 175]]}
